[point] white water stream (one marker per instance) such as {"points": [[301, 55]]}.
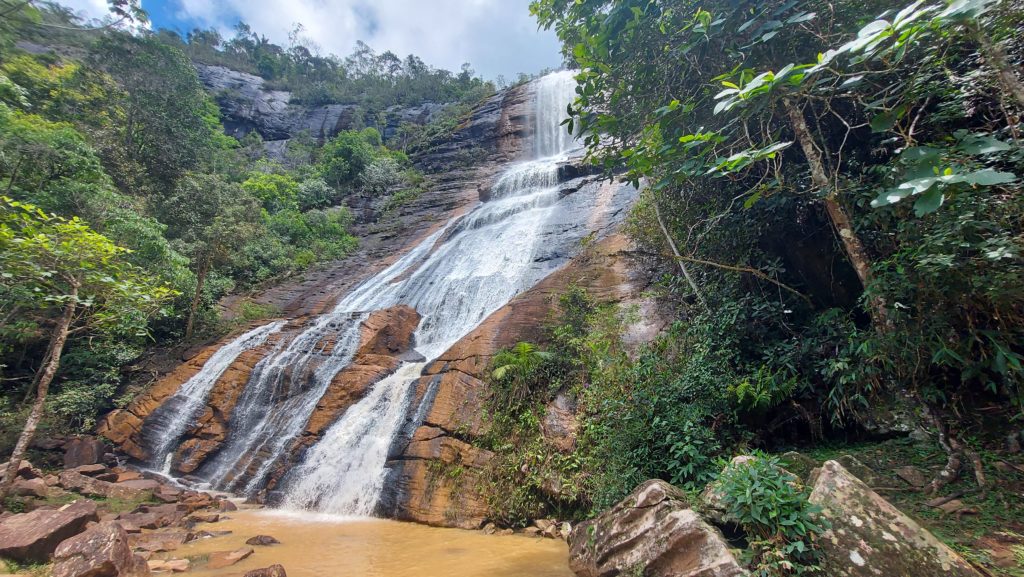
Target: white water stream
{"points": [[454, 278]]}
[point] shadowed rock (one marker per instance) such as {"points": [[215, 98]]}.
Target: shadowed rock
{"points": [[652, 532]]}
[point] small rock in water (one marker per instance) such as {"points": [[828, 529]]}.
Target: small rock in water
{"points": [[226, 506], [262, 540], [204, 517], [272, 571], [222, 559]]}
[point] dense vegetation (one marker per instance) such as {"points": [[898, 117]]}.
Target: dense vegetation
{"points": [[832, 199], [108, 138]]}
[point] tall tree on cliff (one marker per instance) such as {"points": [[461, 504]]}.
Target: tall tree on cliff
{"points": [[71, 280]]}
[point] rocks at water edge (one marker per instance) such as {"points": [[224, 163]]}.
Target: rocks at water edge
{"points": [[33, 537], [870, 537], [653, 532], [100, 551], [272, 571], [222, 559], [263, 540]]}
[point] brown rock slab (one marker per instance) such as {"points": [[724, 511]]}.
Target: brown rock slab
{"points": [[91, 470], [158, 541], [100, 551], [169, 565], [222, 559], [30, 488], [869, 537], [140, 484], [652, 532], [204, 517], [79, 483], [128, 476], [34, 536]]}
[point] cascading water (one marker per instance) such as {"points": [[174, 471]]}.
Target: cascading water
{"points": [[454, 278]]}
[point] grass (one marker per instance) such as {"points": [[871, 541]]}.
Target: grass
{"points": [[35, 569]]}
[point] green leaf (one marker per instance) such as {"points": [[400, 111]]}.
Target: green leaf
{"points": [[929, 202]]}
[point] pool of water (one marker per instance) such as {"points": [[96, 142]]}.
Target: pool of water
{"points": [[315, 545]]}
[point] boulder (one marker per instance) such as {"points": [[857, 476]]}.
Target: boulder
{"points": [[83, 451], [128, 476], [25, 470], [33, 537], [30, 488], [652, 532], [94, 470], [204, 517], [100, 551], [140, 484], [158, 541], [226, 506], [912, 476], [869, 537], [262, 540], [90, 487], [222, 559], [272, 571]]}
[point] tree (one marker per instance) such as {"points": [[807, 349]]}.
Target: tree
{"points": [[78, 281], [168, 125], [211, 219]]}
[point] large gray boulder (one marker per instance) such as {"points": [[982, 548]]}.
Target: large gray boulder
{"points": [[100, 551], [33, 537], [652, 532], [869, 537]]}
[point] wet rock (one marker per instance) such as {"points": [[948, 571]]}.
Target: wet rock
{"points": [[652, 532], [272, 571], [489, 529], [204, 517], [222, 559], [83, 451], [34, 536], [869, 537], [151, 517], [128, 476], [912, 475], [226, 506], [169, 565], [263, 540], [101, 551]]}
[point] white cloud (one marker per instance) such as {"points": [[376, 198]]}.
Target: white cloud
{"points": [[496, 36], [88, 8]]}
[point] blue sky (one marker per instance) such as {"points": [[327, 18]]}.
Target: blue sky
{"points": [[495, 36]]}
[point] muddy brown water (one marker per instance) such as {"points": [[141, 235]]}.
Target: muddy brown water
{"points": [[326, 546]]}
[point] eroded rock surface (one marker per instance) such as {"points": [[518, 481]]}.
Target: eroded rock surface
{"points": [[869, 537], [652, 532], [33, 537]]}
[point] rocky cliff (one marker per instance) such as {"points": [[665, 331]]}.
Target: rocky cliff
{"points": [[445, 417]]}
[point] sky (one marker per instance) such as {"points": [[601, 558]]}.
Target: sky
{"points": [[498, 37]]}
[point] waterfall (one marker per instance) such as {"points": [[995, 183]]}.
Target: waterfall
{"points": [[454, 278]]}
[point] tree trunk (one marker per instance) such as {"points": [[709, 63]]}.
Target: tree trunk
{"points": [[49, 369], [675, 251], [855, 252], [204, 269], [997, 59]]}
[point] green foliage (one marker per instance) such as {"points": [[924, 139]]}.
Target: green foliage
{"points": [[772, 507], [277, 192]]}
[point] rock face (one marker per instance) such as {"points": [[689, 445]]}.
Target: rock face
{"points": [[100, 551], [870, 537], [652, 532], [83, 451], [452, 393], [33, 537], [249, 106]]}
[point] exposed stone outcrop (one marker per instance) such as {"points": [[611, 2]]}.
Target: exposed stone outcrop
{"points": [[100, 551], [869, 537], [34, 536], [249, 106], [651, 532], [452, 393], [83, 451]]}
